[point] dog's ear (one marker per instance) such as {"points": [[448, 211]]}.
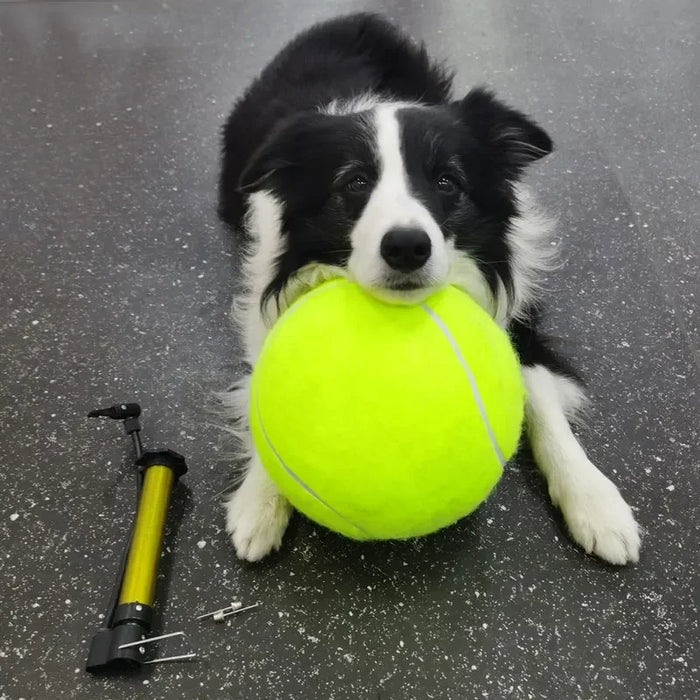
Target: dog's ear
{"points": [[287, 148], [265, 163], [513, 138]]}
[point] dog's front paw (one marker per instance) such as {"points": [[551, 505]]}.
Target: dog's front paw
{"points": [[598, 517], [256, 520]]}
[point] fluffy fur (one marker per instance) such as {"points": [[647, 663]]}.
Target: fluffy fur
{"points": [[349, 156]]}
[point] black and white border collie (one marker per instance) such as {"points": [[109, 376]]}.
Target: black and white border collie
{"points": [[348, 156]]}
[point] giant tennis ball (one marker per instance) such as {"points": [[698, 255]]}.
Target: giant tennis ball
{"points": [[382, 421]]}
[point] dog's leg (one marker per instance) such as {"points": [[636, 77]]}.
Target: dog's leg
{"points": [[257, 514], [597, 516]]}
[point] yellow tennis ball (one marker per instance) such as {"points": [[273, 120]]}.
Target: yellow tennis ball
{"points": [[382, 421]]}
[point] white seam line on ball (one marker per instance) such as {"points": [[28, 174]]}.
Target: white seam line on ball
{"points": [[304, 486], [472, 380]]}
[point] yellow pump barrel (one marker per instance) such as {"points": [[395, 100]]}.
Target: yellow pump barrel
{"points": [[141, 572]]}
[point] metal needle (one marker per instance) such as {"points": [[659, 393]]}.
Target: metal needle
{"points": [[234, 606], [221, 616], [141, 642], [181, 657]]}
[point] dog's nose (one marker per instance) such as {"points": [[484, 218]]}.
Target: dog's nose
{"points": [[405, 249]]}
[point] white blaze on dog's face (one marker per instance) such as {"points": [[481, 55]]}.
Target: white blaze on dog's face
{"points": [[399, 252]]}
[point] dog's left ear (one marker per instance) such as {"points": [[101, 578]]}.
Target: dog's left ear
{"points": [[514, 139]]}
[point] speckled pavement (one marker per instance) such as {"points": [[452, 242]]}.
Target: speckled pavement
{"points": [[115, 281]]}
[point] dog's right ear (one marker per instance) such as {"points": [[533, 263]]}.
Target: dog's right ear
{"points": [[286, 149], [263, 165]]}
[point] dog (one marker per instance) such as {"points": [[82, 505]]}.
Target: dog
{"points": [[348, 156]]}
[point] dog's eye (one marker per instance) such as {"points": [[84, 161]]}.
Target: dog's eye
{"points": [[358, 183], [446, 184]]}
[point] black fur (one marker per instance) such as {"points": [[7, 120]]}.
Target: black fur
{"points": [[462, 157], [536, 348], [339, 59]]}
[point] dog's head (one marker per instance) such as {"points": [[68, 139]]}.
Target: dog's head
{"points": [[404, 198]]}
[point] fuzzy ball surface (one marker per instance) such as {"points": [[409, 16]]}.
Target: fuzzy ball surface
{"points": [[382, 421]]}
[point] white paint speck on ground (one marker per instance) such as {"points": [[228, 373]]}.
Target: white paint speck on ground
{"points": [[14, 517], [670, 487], [202, 544]]}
